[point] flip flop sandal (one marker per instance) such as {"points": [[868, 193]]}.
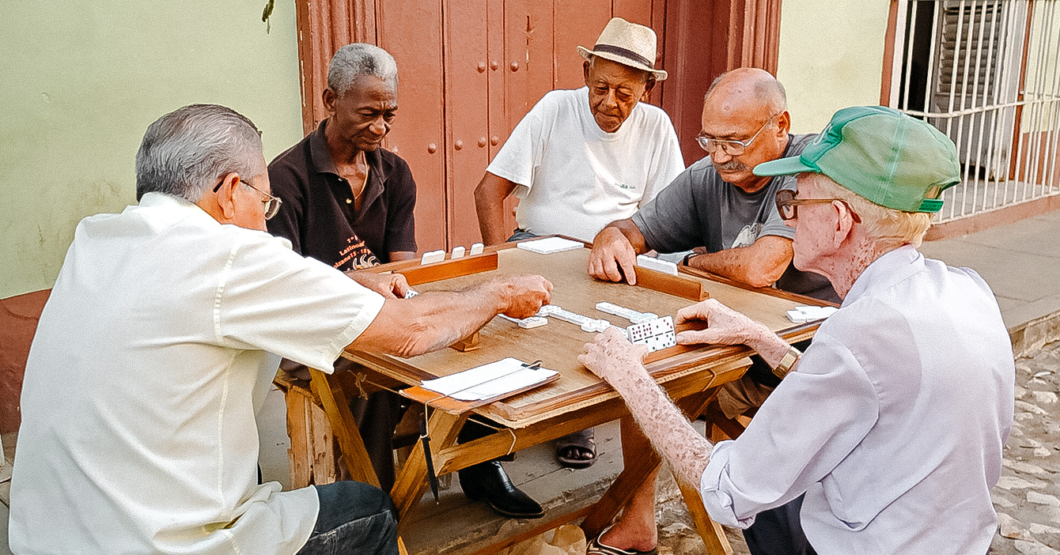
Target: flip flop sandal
{"points": [[565, 449], [596, 547]]}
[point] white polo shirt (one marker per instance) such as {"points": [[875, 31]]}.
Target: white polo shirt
{"points": [[151, 359], [575, 178], [893, 425]]}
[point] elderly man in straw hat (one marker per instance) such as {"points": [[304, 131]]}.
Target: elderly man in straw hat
{"points": [[583, 158], [891, 424]]}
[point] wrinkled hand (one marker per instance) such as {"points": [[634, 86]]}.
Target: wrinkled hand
{"points": [[524, 295], [724, 325], [390, 286], [612, 357], [613, 257]]}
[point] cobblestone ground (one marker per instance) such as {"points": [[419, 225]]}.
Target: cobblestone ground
{"points": [[1027, 497]]}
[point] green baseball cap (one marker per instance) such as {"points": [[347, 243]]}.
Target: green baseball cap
{"points": [[881, 154]]}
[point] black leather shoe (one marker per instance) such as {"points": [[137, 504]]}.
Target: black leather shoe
{"points": [[487, 481]]}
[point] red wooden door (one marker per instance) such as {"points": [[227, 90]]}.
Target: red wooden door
{"points": [[470, 69]]}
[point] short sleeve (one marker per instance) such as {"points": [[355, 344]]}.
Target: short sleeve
{"points": [[401, 217], [809, 424], [670, 222], [773, 224], [668, 162], [521, 153], [286, 184], [272, 299]]}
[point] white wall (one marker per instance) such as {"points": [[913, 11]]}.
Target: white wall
{"points": [[831, 57]]}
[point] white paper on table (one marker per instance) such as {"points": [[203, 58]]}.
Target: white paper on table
{"points": [[488, 380], [549, 245]]}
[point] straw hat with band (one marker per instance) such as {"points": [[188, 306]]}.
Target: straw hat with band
{"points": [[887, 157], [628, 44]]}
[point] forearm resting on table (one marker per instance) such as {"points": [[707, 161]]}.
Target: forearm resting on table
{"points": [[430, 321], [686, 451], [758, 265]]}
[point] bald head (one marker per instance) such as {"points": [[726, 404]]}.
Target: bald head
{"points": [[750, 87], [746, 106]]}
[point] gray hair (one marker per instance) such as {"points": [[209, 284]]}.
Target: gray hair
{"points": [[187, 150], [357, 59]]}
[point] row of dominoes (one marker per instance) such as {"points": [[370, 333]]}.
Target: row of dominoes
{"points": [[586, 323], [458, 252], [657, 265], [628, 313], [527, 323], [656, 333], [803, 314]]}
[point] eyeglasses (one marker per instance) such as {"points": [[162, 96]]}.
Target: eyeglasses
{"points": [[272, 203], [731, 147], [788, 205]]}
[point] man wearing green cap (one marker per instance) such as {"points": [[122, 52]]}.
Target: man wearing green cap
{"points": [[892, 423]]}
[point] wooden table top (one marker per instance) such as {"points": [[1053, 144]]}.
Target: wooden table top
{"points": [[558, 343]]}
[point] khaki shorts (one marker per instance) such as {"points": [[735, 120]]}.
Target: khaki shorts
{"points": [[742, 395]]}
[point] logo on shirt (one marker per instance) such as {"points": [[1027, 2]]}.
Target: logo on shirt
{"points": [[626, 187], [747, 236]]}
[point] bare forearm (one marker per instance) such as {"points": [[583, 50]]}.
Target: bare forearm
{"points": [[731, 263], [489, 205], [684, 449], [758, 265]]}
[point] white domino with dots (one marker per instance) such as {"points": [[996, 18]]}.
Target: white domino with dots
{"points": [[476, 248], [410, 293], [656, 334], [458, 252], [657, 265], [586, 323], [628, 313], [527, 323]]}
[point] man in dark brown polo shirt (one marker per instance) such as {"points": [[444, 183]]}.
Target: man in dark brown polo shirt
{"points": [[349, 203]]}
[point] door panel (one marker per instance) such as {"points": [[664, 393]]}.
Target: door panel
{"points": [[411, 30], [467, 113]]}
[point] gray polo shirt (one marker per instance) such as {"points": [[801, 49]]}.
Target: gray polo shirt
{"points": [[699, 209]]}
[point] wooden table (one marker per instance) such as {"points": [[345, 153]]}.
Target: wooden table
{"points": [[576, 401]]}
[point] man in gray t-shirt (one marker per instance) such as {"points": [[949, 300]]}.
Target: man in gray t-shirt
{"points": [[699, 209], [729, 215]]}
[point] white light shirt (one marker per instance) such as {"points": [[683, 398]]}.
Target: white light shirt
{"points": [[152, 356], [574, 178], [893, 424]]}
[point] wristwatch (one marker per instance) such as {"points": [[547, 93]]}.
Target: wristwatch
{"points": [[789, 360]]}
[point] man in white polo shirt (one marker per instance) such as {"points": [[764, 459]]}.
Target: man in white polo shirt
{"points": [[581, 159], [159, 342]]}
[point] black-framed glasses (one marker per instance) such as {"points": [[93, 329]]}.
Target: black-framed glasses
{"points": [[731, 147], [271, 203], [788, 205]]}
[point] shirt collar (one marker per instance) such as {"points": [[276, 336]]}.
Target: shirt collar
{"points": [[322, 162], [885, 271]]}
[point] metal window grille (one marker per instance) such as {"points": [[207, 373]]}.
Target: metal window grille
{"points": [[985, 72]]}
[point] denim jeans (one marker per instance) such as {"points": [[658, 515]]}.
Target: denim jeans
{"points": [[355, 519]]}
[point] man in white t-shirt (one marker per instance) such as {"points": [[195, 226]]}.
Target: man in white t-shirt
{"points": [[158, 344], [581, 159]]}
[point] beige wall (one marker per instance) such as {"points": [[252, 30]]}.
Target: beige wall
{"points": [[80, 82], [831, 57]]}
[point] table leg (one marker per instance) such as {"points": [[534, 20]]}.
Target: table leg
{"points": [[412, 479], [713, 534], [344, 426]]}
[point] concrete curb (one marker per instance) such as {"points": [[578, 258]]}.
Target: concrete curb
{"points": [[1033, 335]]}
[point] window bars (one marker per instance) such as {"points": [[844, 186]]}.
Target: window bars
{"points": [[985, 72]]}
